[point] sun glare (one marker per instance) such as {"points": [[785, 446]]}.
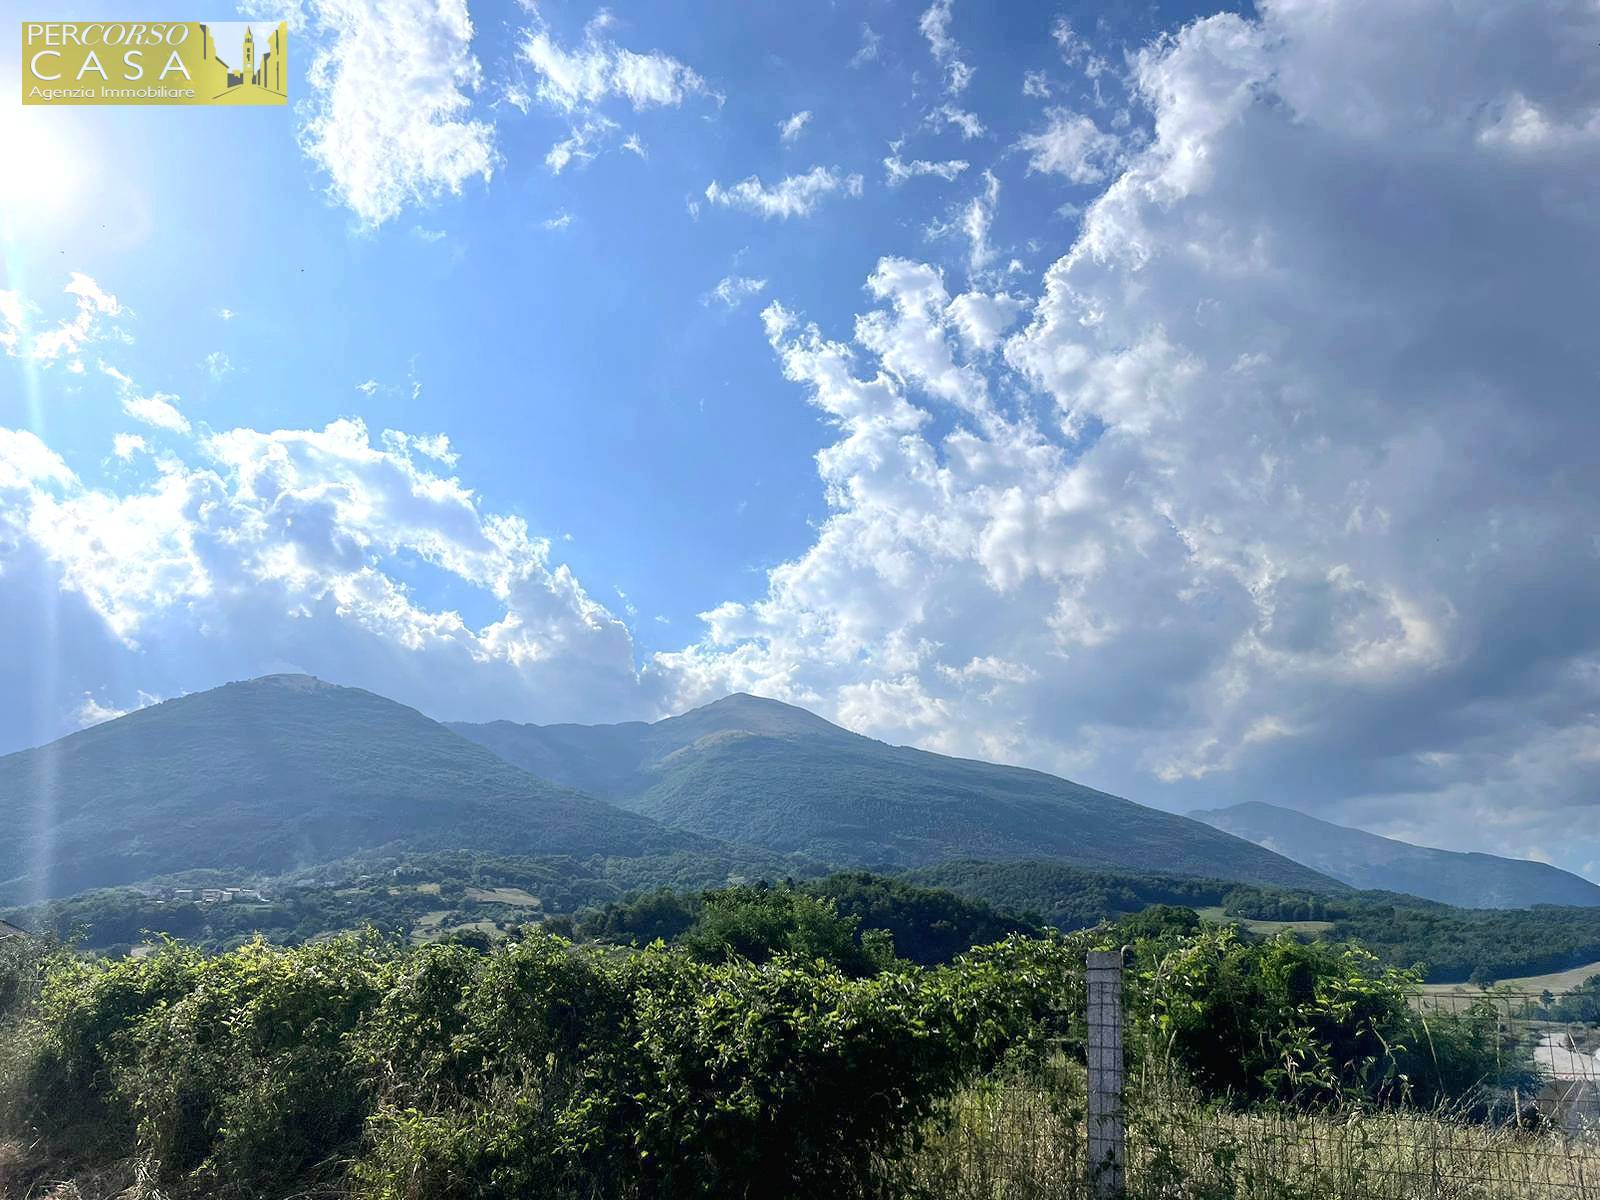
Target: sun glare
{"points": [[49, 170]]}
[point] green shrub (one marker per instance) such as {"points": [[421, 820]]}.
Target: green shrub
{"points": [[544, 1070], [1308, 1024]]}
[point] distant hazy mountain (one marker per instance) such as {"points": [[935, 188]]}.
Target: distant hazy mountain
{"points": [[276, 773], [771, 775], [1365, 860]]}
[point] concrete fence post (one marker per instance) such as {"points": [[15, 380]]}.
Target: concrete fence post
{"points": [[1107, 1130]]}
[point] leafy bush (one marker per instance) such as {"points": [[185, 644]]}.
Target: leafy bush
{"points": [[1309, 1024], [773, 1053], [760, 923], [544, 1070]]}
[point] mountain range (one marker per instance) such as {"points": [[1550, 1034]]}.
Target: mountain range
{"points": [[1368, 861], [768, 774], [274, 773], [287, 771]]}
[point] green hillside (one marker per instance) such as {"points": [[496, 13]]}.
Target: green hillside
{"points": [[772, 775], [274, 773], [1365, 860]]}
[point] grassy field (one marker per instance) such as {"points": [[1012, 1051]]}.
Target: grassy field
{"points": [[516, 897], [1024, 1141], [1266, 928], [1557, 982]]}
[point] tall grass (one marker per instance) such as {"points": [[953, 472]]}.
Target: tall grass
{"points": [[1024, 1140]]}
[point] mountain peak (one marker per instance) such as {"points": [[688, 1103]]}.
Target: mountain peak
{"points": [[744, 713], [266, 774]]}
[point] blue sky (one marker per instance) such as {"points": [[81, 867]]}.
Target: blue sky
{"points": [[1194, 402]]}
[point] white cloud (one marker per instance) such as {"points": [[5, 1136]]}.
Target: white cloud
{"points": [[948, 114], [68, 337], [790, 128], [1283, 490], [868, 51], [226, 314], [390, 111], [126, 445], [218, 365], [558, 222], [158, 409], [733, 290], [570, 78], [1036, 84], [1072, 145], [794, 196], [979, 319], [303, 539], [578, 80], [92, 712], [897, 170], [976, 220], [584, 143], [935, 26]]}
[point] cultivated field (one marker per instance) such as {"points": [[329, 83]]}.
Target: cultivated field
{"points": [[1557, 982]]}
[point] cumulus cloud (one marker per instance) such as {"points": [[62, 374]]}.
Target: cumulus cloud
{"points": [[793, 196], [1072, 145], [384, 146], [253, 551], [979, 319], [1283, 490], [126, 445], [68, 336]]}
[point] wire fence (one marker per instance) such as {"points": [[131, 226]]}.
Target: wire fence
{"points": [[1532, 1134]]}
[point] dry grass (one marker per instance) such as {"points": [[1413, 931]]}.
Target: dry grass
{"points": [[1556, 982], [515, 897], [1026, 1142]]}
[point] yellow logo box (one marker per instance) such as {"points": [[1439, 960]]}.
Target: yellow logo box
{"points": [[155, 62]]}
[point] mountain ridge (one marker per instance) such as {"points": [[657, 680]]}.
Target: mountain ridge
{"points": [[1467, 879], [275, 772], [772, 775]]}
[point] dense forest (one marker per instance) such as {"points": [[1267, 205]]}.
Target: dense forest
{"points": [[932, 914], [1451, 945]]}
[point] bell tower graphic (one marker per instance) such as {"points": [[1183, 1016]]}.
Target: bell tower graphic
{"points": [[262, 73]]}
